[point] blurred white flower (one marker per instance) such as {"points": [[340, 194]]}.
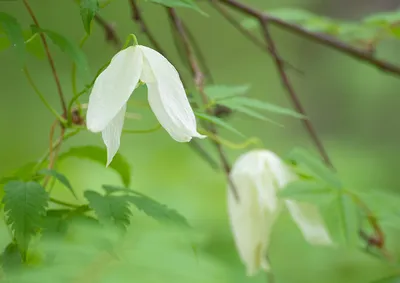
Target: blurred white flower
{"points": [[166, 95], [257, 176]]}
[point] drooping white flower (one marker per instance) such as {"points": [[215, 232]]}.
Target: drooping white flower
{"points": [[166, 95], [258, 176]]}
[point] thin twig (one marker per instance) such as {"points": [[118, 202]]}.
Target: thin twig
{"points": [[53, 150], [137, 17], [49, 58], [256, 41], [290, 90], [109, 31], [198, 78], [358, 53]]}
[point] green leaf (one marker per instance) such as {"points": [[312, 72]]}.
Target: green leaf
{"points": [[99, 155], [348, 212], [25, 205], [179, 3], [257, 104], [249, 112], [151, 207], [88, 9], [383, 19], [220, 92], [34, 44], [4, 42], [11, 258], [13, 30], [110, 209], [73, 50], [218, 122], [315, 167], [60, 177], [308, 191], [391, 279], [24, 173]]}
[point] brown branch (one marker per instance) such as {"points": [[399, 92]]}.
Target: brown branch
{"points": [[109, 31], [49, 58], [292, 94], [137, 17], [360, 54], [198, 78]]}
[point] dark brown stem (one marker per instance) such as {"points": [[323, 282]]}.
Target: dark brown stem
{"points": [[292, 94], [360, 54], [109, 31], [137, 17], [49, 58], [198, 78]]}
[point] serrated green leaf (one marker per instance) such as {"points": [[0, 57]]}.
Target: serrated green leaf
{"points": [[98, 154], [308, 191], [218, 122], [315, 167], [73, 50], [25, 205], [88, 9], [151, 207], [220, 92], [60, 177], [110, 209], [13, 30], [191, 4], [349, 218]]}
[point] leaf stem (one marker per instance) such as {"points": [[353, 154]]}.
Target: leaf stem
{"points": [[41, 96]]}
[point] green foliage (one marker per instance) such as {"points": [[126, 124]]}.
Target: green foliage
{"points": [[88, 9], [14, 32], [25, 205], [308, 191], [60, 177], [150, 207], [391, 279], [218, 121], [234, 98], [110, 209], [191, 4], [371, 28], [67, 46], [314, 167], [350, 220], [98, 154]]}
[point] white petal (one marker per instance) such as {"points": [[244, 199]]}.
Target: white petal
{"points": [[253, 216], [112, 134], [167, 96], [310, 222], [113, 88]]}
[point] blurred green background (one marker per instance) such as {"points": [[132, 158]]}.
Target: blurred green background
{"points": [[353, 106]]}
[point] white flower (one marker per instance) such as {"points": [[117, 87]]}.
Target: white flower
{"points": [[257, 176], [166, 95]]}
